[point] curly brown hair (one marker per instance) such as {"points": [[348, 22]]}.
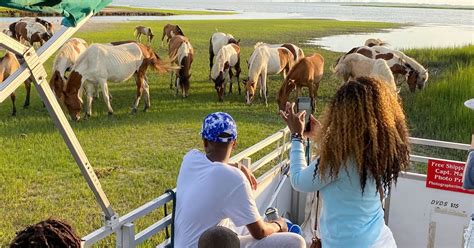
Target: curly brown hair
{"points": [[48, 233], [364, 123]]}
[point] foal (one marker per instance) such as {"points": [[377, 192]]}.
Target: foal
{"points": [[142, 30]]}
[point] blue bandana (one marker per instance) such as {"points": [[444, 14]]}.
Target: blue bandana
{"points": [[216, 124]]}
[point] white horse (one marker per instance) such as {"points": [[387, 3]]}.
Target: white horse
{"points": [[101, 63], [356, 65], [263, 61], [142, 30], [228, 57], [217, 41], [64, 61], [295, 50]]}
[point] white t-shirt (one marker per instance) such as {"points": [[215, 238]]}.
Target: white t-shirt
{"points": [[208, 192]]}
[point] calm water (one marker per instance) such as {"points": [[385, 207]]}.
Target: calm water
{"points": [[411, 37], [321, 10]]}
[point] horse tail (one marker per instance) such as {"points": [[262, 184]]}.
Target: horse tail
{"points": [[135, 32]]}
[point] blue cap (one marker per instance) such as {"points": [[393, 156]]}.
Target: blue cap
{"points": [[217, 124]]}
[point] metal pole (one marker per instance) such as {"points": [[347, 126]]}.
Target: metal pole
{"points": [[34, 62]]}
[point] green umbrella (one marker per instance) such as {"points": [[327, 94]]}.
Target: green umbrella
{"points": [[72, 10]]}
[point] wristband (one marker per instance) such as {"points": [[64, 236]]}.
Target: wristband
{"points": [[278, 225], [297, 136]]}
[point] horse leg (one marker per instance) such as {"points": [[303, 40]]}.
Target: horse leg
{"points": [[178, 85], [171, 80], [90, 90], [106, 96], [237, 73], [264, 86], [28, 91], [313, 91], [211, 57], [146, 89], [139, 82], [13, 97], [230, 74]]}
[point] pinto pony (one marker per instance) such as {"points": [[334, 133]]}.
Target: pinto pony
{"points": [[8, 65], [295, 50], [64, 61], [31, 32], [357, 65], [227, 58], [266, 60], [400, 64], [307, 72], [101, 63], [181, 52], [217, 41], [142, 30], [375, 42], [169, 31], [49, 27]]}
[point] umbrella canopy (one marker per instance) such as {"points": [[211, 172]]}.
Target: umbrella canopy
{"points": [[72, 10]]}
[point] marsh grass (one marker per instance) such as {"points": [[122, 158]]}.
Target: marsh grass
{"points": [[137, 156]]}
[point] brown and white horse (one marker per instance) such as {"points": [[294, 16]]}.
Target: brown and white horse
{"points": [[356, 65], [375, 42], [217, 41], [101, 63], [181, 52], [31, 32], [307, 72], [169, 31], [64, 61], [263, 61], [8, 65], [295, 50], [49, 27], [227, 58], [399, 63], [142, 30]]}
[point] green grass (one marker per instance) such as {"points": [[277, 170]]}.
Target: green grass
{"points": [[412, 6], [137, 156]]}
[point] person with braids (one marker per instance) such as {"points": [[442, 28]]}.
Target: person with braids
{"points": [[49, 233], [363, 146]]}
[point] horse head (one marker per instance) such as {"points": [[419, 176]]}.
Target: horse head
{"points": [[284, 93], [251, 87], [57, 85], [72, 100], [219, 85], [422, 78]]}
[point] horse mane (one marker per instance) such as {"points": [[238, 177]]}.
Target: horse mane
{"points": [[179, 31], [259, 44]]}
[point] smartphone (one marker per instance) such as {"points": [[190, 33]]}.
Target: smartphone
{"points": [[305, 104]]}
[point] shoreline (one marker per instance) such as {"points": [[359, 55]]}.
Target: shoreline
{"points": [[120, 11], [409, 6]]}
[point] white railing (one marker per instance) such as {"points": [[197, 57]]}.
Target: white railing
{"points": [[124, 230]]}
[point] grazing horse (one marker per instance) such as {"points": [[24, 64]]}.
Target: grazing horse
{"points": [[266, 60], [375, 42], [295, 50], [31, 32], [169, 31], [399, 63], [142, 30], [181, 52], [64, 61], [101, 63], [357, 65], [227, 58], [217, 41], [49, 27], [307, 72], [8, 65]]}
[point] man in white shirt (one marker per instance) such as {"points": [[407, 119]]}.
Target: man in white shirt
{"points": [[209, 189]]}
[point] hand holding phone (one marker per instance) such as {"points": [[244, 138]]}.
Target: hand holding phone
{"points": [[305, 104]]}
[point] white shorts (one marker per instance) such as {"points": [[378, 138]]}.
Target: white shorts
{"points": [[385, 239]]}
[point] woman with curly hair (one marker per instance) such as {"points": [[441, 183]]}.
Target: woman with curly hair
{"points": [[363, 146]]}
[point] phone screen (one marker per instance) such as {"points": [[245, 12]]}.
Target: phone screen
{"points": [[305, 104]]}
